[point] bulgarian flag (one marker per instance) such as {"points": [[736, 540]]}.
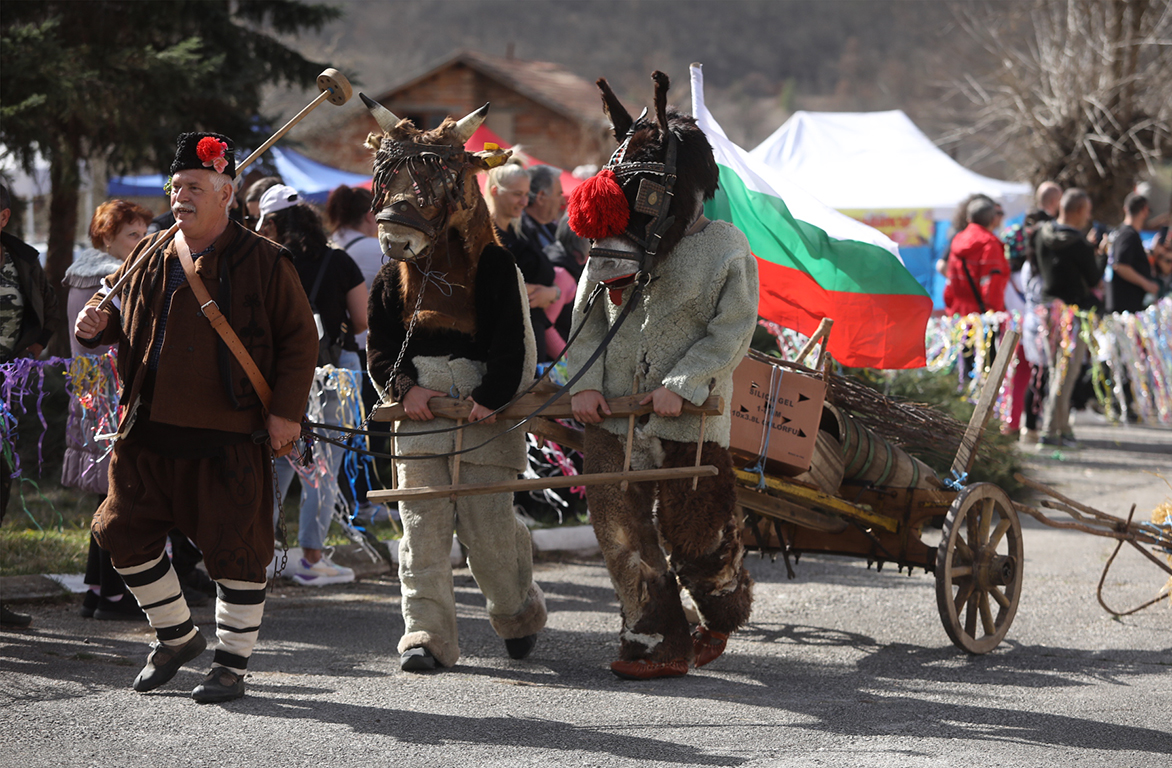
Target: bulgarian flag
{"points": [[814, 262]]}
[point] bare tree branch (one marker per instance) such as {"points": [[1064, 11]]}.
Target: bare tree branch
{"points": [[1079, 91]]}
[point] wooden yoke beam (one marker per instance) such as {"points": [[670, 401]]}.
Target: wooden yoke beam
{"points": [[539, 483], [620, 407], [628, 405]]}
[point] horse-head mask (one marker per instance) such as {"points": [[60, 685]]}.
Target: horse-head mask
{"points": [[424, 190], [661, 173]]}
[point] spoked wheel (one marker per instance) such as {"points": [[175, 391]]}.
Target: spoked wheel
{"points": [[978, 568]]}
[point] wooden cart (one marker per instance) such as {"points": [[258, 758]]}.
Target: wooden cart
{"points": [[977, 562]]}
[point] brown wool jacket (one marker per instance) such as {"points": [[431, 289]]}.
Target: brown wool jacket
{"points": [[199, 383]]}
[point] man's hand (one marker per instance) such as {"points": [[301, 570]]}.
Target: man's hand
{"points": [[482, 414], [586, 406], [415, 403], [90, 322], [665, 402], [281, 431]]}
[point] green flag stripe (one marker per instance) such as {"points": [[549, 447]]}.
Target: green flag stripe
{"points": [[775, 235]]}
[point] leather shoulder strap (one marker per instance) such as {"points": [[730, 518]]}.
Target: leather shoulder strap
{"points": [[212, 312]]}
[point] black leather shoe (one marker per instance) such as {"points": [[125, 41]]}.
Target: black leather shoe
{"points": [[417, 659], [520, 647], [164, 661], [221, 684]]}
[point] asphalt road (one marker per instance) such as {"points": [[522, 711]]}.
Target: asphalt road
{"points": [[841, 667]]}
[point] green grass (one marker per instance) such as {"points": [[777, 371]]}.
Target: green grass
{"points": [[48, 529], [28, 551]]}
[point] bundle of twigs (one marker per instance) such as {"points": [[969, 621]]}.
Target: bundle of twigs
{"points": [[917, 428]]}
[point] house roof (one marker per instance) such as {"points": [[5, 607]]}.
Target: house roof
{"points": [[544, 82]]}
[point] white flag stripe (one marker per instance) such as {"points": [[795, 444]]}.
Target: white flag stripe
{"points": [[764, 180]]}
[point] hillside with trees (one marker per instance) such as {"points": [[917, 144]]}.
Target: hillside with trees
{"points": [[1020, 90]]}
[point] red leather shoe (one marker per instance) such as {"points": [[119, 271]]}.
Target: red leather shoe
{"points": [[707, 645], [642, 669]]}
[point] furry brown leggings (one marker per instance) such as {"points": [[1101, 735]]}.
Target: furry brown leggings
{"points": [[657, 533]]}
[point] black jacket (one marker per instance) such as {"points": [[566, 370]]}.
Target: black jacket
{"points": [[41, 312], [498, 342], [1068, 265]]}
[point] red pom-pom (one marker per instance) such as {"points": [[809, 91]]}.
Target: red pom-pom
{"points": [[209, 149], [598, 207]]}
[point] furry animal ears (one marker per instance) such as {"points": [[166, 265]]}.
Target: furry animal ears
{"points": [[620, 118]]}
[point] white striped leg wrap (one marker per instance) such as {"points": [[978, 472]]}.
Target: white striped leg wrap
{"points": [[239, 609], [155, 586]]}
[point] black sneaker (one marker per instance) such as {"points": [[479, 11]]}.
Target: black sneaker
{"points": [[89, 604], [13, 620], [198, 580], [221, 684], [195, 598], [125, 609], [417, 659], [165, 660], [520, 647]]}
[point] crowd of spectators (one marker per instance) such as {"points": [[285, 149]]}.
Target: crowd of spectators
{"points": [[1056, 253]]}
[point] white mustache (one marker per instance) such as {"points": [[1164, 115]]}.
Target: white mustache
{"points": [[178, 209]]}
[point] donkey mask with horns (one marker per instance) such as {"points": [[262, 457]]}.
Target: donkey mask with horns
{"points": [[691, 315], [651, 192]]}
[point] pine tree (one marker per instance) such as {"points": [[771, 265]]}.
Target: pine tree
{"points": [[118, 81]]}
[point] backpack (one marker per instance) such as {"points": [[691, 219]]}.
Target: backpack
{"points": [[329, 351], [1018, 241]]}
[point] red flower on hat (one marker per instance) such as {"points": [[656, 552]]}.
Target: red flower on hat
{"points": [[211, 153]]}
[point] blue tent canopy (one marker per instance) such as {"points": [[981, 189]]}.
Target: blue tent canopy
{"points": [[312, 179]]}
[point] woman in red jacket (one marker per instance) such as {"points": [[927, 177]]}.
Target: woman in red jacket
{"points": [[977, 267]]}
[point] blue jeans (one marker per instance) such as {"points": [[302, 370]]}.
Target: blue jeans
{"points": [[317, 503]]}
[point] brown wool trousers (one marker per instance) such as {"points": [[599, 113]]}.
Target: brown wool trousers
{"points": [[657, 537], [223, 504]]}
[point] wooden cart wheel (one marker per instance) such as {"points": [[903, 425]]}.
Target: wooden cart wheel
{"points": [[978, 568]]}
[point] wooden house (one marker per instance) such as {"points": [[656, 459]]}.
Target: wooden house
{"points": [[551, 113]]}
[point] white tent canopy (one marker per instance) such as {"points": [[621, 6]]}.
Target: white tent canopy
{"points": [[878, 160]]}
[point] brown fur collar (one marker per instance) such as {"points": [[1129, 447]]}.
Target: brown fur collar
{"points": [[454, 309]]}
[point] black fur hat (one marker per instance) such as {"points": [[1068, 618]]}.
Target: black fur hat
{"points": [[204, 151]]}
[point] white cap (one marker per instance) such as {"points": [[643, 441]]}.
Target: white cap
{"points": [[276, 198]]}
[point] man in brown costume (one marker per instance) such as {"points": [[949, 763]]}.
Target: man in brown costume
{"points": [[190, 453]]}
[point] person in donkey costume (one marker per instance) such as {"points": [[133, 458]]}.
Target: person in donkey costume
{"points": [[191, 452], [449, 316], [695, 284]]}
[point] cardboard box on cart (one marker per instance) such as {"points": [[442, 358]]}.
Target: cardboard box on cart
{"points": [[797, 411]]}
